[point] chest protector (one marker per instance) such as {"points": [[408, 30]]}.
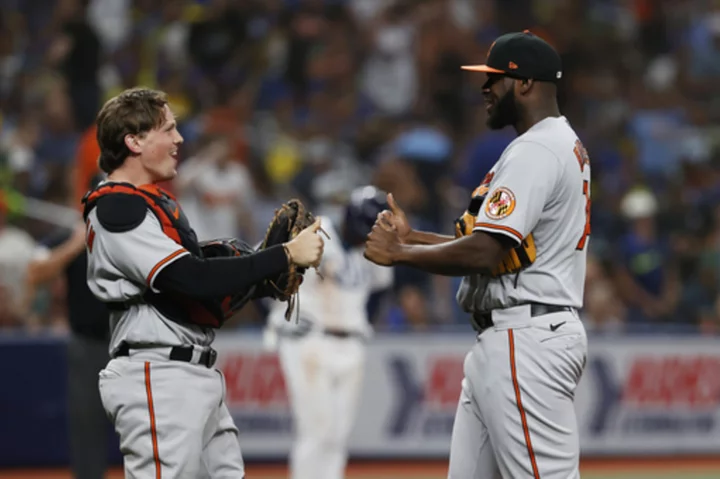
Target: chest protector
{"points": [[210, 313]]}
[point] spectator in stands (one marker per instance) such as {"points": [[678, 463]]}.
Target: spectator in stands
{"points": [[601, 311], [16, 251], [411, 313], [86, 166], [76, 51], [390, 77], [706, 295], [214, 40], [304, 25], [18, 148], [645, 274], [57, 148], [216, 192]]}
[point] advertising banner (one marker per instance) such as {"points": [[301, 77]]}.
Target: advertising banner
{"points": [[651, 395], [639, 395]]}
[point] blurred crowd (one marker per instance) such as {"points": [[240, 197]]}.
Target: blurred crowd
{"points": [[309, 98]]}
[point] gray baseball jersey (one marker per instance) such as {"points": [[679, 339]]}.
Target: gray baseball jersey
{"points": [[121, 266], [538, 193]]}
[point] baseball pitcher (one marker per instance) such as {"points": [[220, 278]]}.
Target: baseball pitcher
{"points": [[168, 294], [521, 247], [323, 355]]}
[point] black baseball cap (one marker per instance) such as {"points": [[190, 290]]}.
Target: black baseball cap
{"points": [[522, 55]]}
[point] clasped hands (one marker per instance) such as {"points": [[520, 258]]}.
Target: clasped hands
{"points": [[385, 241]]}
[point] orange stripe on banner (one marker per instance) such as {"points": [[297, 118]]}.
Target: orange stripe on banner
{"points": [[523, 418], [153, 427], [507, 229], [161, 263]]}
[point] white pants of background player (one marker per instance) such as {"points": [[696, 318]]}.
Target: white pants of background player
{"points": [[171, 418], [323, 375], [515, 418]]}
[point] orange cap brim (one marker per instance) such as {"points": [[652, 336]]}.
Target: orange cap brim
{"points": [[481, 68]]}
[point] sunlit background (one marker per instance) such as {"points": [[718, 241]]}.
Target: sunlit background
{"points": [[310, 98]]}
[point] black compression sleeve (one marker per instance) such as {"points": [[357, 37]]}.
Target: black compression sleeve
{"points": [[213, 277]]}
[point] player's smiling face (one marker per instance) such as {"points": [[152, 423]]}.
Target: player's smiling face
{"points": [[160, 148], [500, 101]]}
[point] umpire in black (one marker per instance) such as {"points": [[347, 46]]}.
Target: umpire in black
{"points": [[87, 348]]}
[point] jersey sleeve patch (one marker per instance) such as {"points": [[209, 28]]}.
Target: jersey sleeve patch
{"points": [[500, 204], [120, 212]]}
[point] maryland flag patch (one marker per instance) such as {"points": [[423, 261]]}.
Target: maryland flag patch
{"points": [[500, 204]]}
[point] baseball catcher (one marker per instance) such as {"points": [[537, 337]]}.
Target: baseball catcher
{"points": [[168, 294]]}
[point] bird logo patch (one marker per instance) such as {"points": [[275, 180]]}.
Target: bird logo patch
{"points": [[501, 204]]}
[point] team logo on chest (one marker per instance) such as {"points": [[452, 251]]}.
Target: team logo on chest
{"points": [[500, 204]]}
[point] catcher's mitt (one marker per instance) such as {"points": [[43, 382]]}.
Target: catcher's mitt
{"points": [[289, 220]]}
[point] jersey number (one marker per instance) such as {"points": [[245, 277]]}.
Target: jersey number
{"points": [[586, 232], [583, 160]]}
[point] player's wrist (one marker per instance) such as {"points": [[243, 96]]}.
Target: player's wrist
{"points": [[288, 252], [401, 254], [411, 237]]}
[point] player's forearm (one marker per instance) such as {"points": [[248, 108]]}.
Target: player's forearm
{"points": [[425, 238], [214, 277], [44, 270], [475, 254]]}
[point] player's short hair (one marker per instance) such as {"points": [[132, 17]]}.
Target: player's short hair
{"points": [[133, 112]]}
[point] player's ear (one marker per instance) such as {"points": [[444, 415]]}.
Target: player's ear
{"points": [[133, 143], [524, 85]]}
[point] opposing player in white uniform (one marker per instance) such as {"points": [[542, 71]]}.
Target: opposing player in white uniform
{"points": [[160, 389], [323, 355], [523, 260]]}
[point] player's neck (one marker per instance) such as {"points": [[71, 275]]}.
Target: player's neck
{"points": [[128, 174], [533, 116], [134, 178]]}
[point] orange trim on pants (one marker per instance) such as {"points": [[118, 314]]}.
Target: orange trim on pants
{"points": [[518, 399], [153, 427]]}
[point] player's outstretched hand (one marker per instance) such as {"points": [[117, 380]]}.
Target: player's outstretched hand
{"points": [[383, 244], [307, 247], [395, 216]]}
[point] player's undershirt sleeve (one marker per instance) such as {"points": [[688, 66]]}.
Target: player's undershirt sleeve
{"points": [[213, 277], [519, 191], [142, 252]]}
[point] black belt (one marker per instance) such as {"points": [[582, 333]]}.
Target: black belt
{"points": [[482, 321], [177, 353], [336, 333], [339, 333]]}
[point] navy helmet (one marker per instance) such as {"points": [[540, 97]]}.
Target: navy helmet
{"points": [[361, 212]]}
